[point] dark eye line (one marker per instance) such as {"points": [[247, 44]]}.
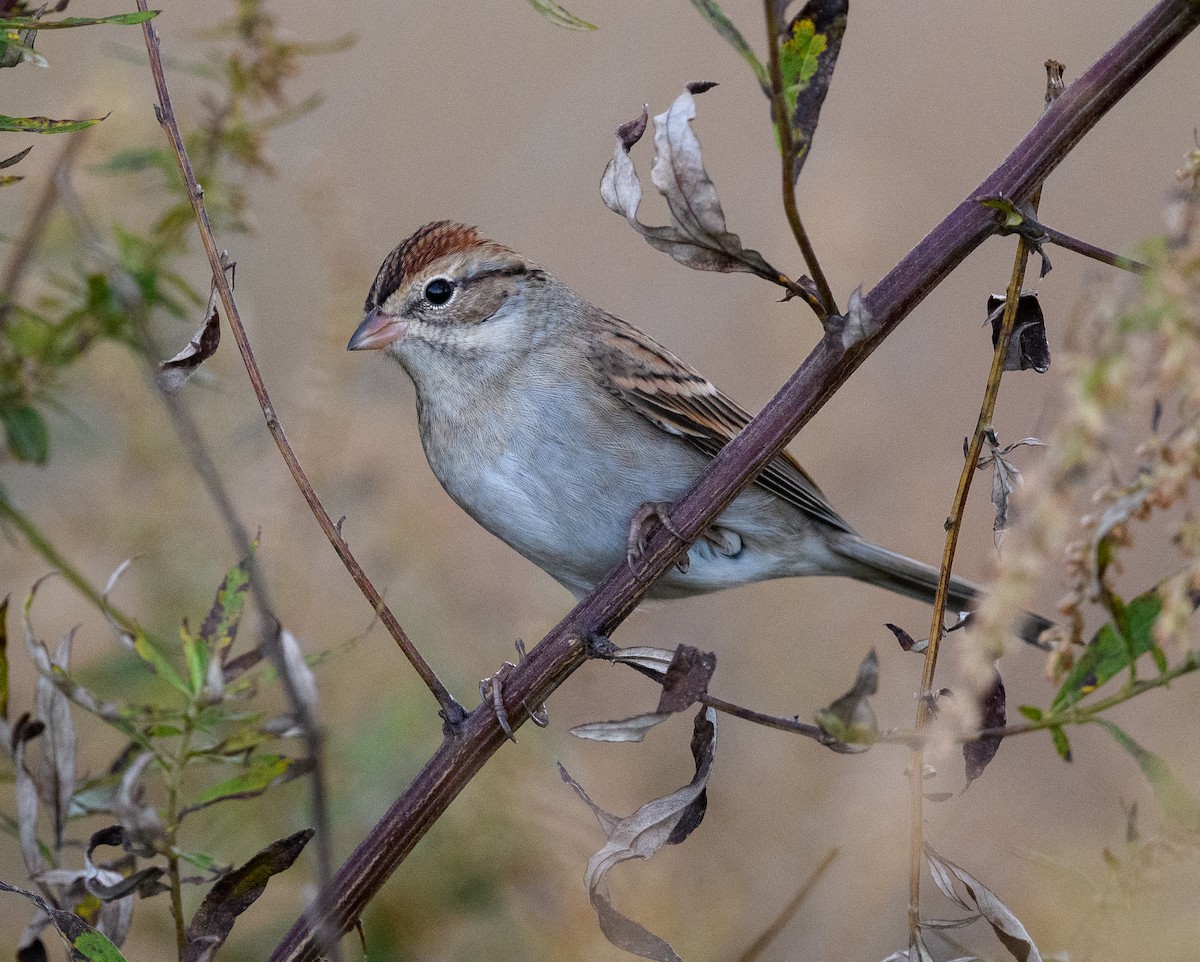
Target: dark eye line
{"points": [[464, 282]]}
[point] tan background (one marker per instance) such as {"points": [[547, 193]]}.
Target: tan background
{"points": [[484, 113]]}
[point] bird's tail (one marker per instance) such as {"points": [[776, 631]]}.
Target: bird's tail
{"points": [[879, 566]]}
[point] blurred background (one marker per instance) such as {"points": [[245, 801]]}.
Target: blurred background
{"points": [[487, 114]]}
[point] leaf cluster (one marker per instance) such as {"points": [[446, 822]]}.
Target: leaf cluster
{"points": [[120, 279], [200, 743]]}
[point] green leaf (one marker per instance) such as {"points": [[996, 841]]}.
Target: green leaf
{"points": [[206, 863], [25, 433], [850, 719], [1031, 712], [7, 180], [31, 23], [44, 125], [724, 26], [154, 658], [1011, 216], [1061, 744], [263, 772], [1115, 647], [798, 58], [92, 946], [135, 161], [1177, 803], [560, 17], [195, 656]]}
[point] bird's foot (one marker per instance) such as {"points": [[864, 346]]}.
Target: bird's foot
{"points": [[491, 690], [639, 533]]}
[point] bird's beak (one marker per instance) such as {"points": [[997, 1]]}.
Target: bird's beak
{"points": [[377, 330]]}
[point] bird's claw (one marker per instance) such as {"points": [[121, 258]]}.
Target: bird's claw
{"points": [[639, 533], [492, 690]]}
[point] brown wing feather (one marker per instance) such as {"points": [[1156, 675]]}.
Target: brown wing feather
{"points": [[680, 401]]}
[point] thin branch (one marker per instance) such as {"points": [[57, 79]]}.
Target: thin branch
{"points": [[787, 151], [72, 575], [760, 944], [792, 724], [39, 219], [452, 712], [563, 650], [1067, 242], [953, 528]]}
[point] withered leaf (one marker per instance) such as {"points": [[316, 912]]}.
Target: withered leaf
{"points": [[15, 158], [1028, 348], [697, 236], [686, 679], [982, 901], [855, 326], [235, 892], [1006, 478], [144, 882], [978, 752], [663, 821], [620, 730], [25, 790], [82, 941], [58, 742], [907, 642], [173, 374], [850, 719]]}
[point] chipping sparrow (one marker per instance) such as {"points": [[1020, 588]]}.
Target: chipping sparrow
{"points": [[553, 424]]}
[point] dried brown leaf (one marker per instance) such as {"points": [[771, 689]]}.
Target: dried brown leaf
{"points": [[697, 236], [1028, 349], [982, 901], [237, 891], [173, 374], [663, 821], [979, 752]]}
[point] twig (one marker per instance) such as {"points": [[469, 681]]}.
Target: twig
{"points": [[778, 722], [787, 150], [73, 576], [953, 527], [452, 712], [1067, 242], [457, 760], [760, 944], [39, 218]]}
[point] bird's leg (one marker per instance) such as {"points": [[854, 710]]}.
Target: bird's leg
{"points": [[639, 533]]}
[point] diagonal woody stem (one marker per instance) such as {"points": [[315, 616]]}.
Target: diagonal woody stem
{"points": [[563, 650]]}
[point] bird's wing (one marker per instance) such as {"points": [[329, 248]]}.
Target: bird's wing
{"points": [[679, 400]]}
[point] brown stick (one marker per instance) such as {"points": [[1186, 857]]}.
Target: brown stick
{"points": [[39, 218], [457, 760]]}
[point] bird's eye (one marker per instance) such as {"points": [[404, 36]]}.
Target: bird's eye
{"points": [[438, 291]]}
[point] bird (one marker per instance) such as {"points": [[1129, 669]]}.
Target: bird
{"points": [[564, 430]]}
